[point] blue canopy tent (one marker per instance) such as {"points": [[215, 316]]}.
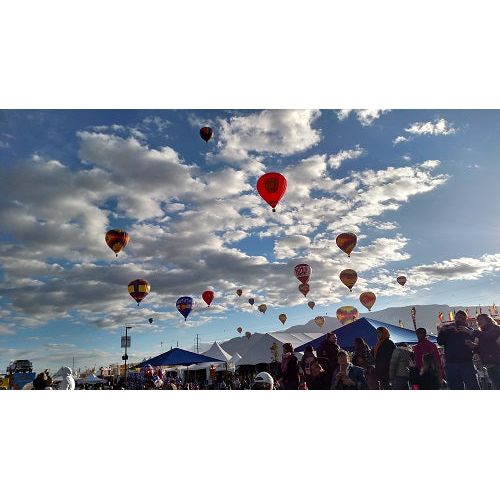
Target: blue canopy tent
{"points": [[366, 328], [177, 357]]}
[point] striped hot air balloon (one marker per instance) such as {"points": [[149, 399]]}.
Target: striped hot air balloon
{"points": [[117, 240], [138, 289]]}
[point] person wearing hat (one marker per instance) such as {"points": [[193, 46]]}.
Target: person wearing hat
{"points": [[263, 381], [289, 368]]}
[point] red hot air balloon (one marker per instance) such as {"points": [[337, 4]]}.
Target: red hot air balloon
{"points": [[272, 187], [116, 239], [368, 299], [401, 280], [138, 289], [302, 273], [208, 296], [346, 242], [304, 289], [347, 314], [311, 304], [206, 133], [349, 278]]}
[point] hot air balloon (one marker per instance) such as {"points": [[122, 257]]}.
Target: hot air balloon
{"points": [[185, 306], [319, 320], [282, 318], [239, 292], [263, 308], [304, 289], [349, 278], [117, 240], [302, 273], [368, 299], [347, 314], [138, 289], [401, 280], [311, 304], [346, 242], [150, 321], [271, 187], [239, 329], [251, 301], [206, 133], [208, 296], [248, 334]]}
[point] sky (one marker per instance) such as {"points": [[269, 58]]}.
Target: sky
{"points": [[418, 187]]}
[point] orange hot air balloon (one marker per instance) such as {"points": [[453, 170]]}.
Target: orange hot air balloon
{"points": [[208, 296], [271, 187], [239, 329], [311, 304], [349, 278], [320, 321], [282, 318], [138, 289], [206, 133], [248, 334], [302, 273], [347, 314], [239, 292], [304, 289], [368, 299], [117, 240], [401, 280], [346, 242], [263, 308]]}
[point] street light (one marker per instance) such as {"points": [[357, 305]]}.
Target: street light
{"points": [[125, 356]]}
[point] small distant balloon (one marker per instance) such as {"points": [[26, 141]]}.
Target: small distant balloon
{"points": [[117, 240], [206, 133], [251, 301], [282, 318], [311, 304], [349, 278], [185, 306], [304, 289], [150, 321], [138, 289], [248, 334], [239, 329], [208, 296], [239, 292], [346, 242], [368, 299], [271, 187], [263, 308], [347, 314], [319, 320], [302, 273], [401, 280]]}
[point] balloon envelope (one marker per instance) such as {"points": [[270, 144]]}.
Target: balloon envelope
{"points": [[346, 242], [304, 289], [206, 133], [282, 318], [347, 314], [271, 187], [239, 329], [248, 334], [401, 280], [239, 292], [349, 277], [302, 273], [319, 320], [311, 304], [368, 299], [263, 308], [117, 240], [138, 289], [208, 296], [251, 301], [185, 306], [150, 321]]}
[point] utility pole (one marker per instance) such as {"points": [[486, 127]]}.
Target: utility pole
{"points": [[197, 343], [125, 357]]}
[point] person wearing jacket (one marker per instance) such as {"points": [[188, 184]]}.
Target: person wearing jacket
{"points": [[68, 382], [328, 351], [305, 365], [383, 353], [429, 376], [457, 341], [362, 355], [348, 376], [289, 368], [399, 369], [319, 377], [488, 347], [424, 346]]}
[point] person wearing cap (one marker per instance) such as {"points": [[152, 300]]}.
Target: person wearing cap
{"points": [[263, 381], [328, 353], [289, 368]]}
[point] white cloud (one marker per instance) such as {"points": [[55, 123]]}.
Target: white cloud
{"points": [[399, 139], [437, 127], [343, 114], [365, 116], [334, 161]]}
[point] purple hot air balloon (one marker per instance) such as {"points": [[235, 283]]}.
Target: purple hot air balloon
{"points": [[185, 306]]}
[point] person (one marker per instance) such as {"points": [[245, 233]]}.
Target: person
{"points": [[42, 381], [319, 377], [429, 376], [305, 365], [68, 382], [289, 368], [458, 344], [328, 352], [488, 347], [347, 376], [399, 368], [237, 384], [383, 353], [482, 373], [424, 346], [263, 381], [371, 378], [363, 355]]}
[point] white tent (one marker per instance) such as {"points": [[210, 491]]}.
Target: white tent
{"points": [[91, 379], [217, 352], [234, 359]]}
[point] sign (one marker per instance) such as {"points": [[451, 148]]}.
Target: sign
{"points": [[126, 341]]}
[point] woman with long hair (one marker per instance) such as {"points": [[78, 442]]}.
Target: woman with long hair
{"points": [[362, 355], [383, 352], [289, 368], [429, 377]]}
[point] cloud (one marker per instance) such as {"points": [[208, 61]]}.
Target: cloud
{"points": [[437, 127], [399, 139], [365, 116], [335, 161]]}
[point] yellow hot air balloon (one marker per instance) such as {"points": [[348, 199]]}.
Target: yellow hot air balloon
{"points": [[282, 318], [368, 299], [349, 278], [320, 321], [346, 242], [263, 308], [347, 314]]}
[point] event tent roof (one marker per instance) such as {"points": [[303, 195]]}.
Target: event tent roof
{"points": [[177, 357], [217, 352], [91, 379], [366, 328]]}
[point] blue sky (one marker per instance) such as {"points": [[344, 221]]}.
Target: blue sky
{"points": [[425, 205]]}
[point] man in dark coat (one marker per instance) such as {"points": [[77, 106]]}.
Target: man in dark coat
{"points": [[328, 353], [489, 347], [383, 353]]}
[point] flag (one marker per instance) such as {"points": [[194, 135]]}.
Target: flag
{"points": [[476, 311], [480, 309], [401, 324], [451, 316], [467, 312], [440, 317], [494, 309], [414, 317]]}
